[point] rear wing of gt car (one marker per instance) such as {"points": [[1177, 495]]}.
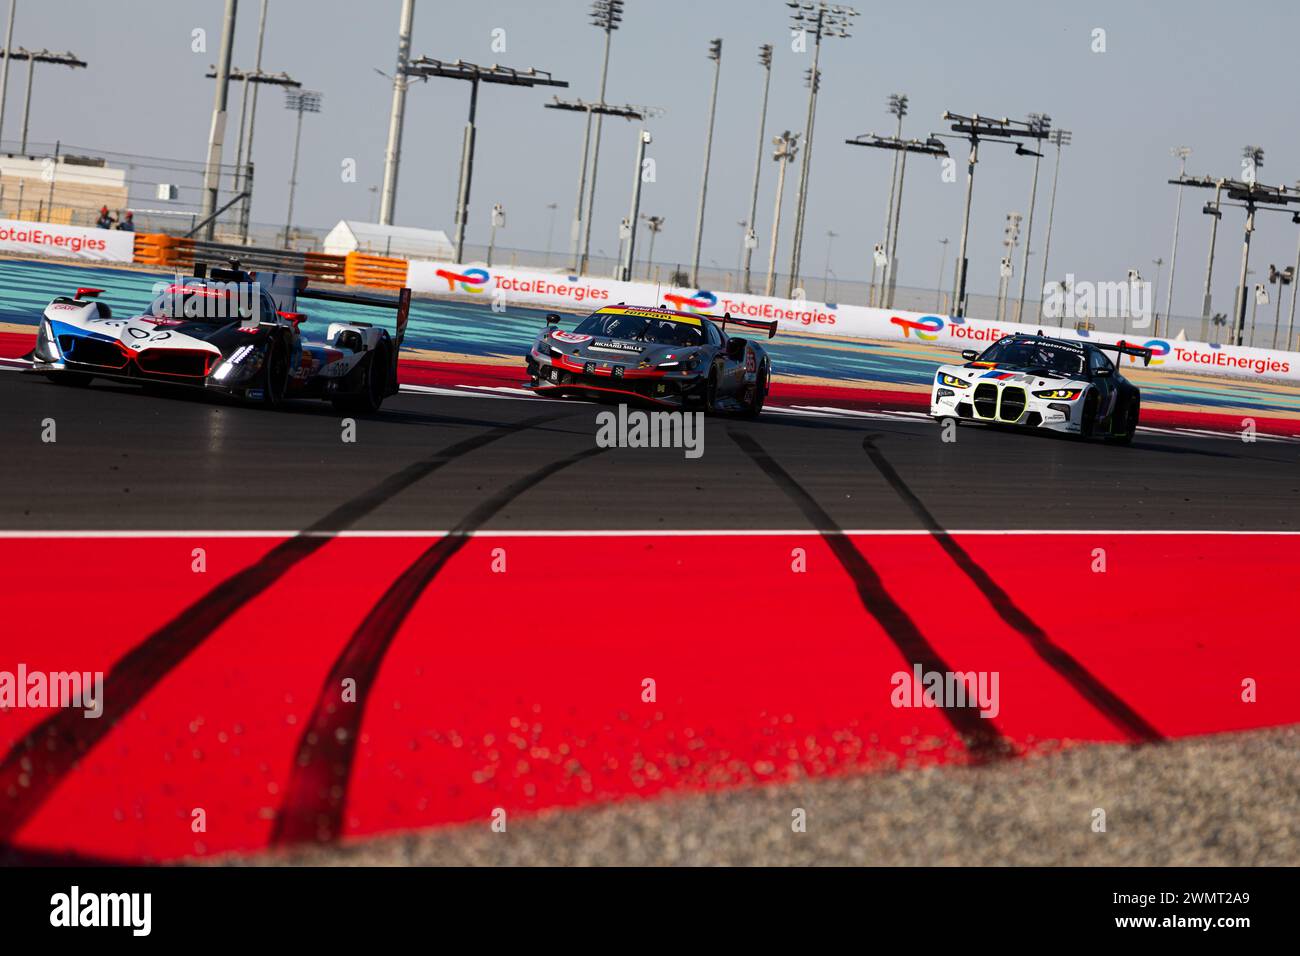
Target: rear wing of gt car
{"points": [[768, 327], [1123, 348]]}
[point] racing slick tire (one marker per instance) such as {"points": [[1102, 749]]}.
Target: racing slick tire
{"points": [[1130, 423], [711, 388], [374, 386], [72, 379], [1088, 424], [275, 373], [754, 407]]}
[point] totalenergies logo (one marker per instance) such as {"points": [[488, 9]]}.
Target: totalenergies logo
{"points": [[926, 329], [702, 301], [471, 280], [1159, 348]]}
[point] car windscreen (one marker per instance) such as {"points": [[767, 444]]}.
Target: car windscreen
{"points": [[1036, 354], [200, 303], [642, 329]]}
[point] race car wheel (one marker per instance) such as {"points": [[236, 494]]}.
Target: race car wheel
{"points": [[275, 373], [1130, 423], [711, 387], [1088, 424], [74, 379], [754, 407], [374, 386]]}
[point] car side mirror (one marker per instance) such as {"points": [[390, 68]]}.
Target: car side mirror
{"points": [[552, 318], [969, 354], [736, 349], [1102, 372]]}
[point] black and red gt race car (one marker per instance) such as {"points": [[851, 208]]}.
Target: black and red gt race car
{"points": [[657, 355]]}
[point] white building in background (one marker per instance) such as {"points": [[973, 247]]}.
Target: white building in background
{"points": [[405, 242], [68, 192]]}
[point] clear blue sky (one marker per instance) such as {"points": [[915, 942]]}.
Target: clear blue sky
{"points": [[1175, 72]]}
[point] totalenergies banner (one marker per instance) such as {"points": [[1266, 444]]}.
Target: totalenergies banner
{"points": [[514, 286], [73, 242]]}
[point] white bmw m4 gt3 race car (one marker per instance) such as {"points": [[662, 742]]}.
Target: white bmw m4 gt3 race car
{"points": [[1032, 381]]}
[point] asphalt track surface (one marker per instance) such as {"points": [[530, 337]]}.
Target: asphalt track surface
{"points": [[126, 461]]}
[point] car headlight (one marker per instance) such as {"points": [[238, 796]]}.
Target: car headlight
{"points": [[953, 381], [1060, 394], [45, 342]]}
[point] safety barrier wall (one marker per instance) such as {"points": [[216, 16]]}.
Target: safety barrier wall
{"points": [[514, 286], [566, 291], [379, 272], [23, 238]]}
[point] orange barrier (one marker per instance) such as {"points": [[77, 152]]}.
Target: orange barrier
{"points": [[377, 271], [156, 249]]}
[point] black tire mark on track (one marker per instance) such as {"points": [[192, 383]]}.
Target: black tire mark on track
{"points": [[39, 762], [1111, 706], [316, 795], [981, 736]]}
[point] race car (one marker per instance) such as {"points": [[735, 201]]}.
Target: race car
{"points": [[229, 331], [655, 355], [1032, 381]]}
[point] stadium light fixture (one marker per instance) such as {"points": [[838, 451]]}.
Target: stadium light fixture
{"points": [[975, 129], [751, 231], [896, 106], [426, 67], [931, 146], [822, 20], [606, 15], [1058, 138], [300, 101], [33, 57]]}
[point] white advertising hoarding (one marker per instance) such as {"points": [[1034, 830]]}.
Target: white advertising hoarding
{"points": [[517, 286], [73, 242]]}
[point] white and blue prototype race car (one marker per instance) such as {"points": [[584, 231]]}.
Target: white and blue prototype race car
{"points": [[1033, 381], [228, 331]]}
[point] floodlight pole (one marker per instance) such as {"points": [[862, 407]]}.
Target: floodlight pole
{"points": [[802, 194], [1181, 152], [1041, 121], [715, 54], [397, 116], [787, 146], [293, 178], [959, 290], [1215, 216], [246, 158], [217, 131], [27, 100], [751, 234], [897, 105], [1239, 312], [629, 254], [4, 69], [466, 171], [1060, 137], [1295, 286], [607, 16]]}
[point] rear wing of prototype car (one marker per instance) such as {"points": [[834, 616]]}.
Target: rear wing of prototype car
{"points": [[1123, 348], [768, 327], [400, 302]]}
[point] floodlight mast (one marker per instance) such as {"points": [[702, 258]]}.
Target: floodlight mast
{"points": [[823, 20], [472, 73], [1252, 196], [33, 57], [975, 129], [930, 146], [606, 15]]}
